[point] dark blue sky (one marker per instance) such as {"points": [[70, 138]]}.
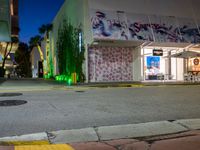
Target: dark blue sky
{"points": [[34, 13]]}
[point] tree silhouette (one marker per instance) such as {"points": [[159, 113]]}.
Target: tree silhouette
{"points": [[8, 49], [36, 42]]}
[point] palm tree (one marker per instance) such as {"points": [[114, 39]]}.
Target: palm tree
{"points": [[35, 42], [45, 30]]}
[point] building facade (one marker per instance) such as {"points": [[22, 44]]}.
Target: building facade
{"points": [[133, 40], [38, 65], [9, 30]]}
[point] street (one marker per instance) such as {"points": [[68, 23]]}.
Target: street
{"points": [[52, 106]]}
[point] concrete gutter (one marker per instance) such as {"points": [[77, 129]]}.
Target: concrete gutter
{"points": [[134, 84]]}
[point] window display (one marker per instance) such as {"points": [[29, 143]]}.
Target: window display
{"points": [[153, 67]]}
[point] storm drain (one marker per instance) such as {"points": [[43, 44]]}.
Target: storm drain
{"points": [[10, 94], [6, 103]]}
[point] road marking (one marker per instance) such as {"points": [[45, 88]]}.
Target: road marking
{"points": [[17, 143], [45, 147], [23, 90]]}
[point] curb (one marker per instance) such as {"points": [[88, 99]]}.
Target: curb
{"points": [[136, 85], [19, 143], [28, 139], [94, 134]]}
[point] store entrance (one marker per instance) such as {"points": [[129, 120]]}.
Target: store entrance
{"points": [[160, 66]]}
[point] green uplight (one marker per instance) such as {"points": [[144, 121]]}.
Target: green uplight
{"points": [[69, 81], [64, 78], [47, 76]]}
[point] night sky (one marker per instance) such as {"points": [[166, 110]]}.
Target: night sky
{"points": [[34, 13]]}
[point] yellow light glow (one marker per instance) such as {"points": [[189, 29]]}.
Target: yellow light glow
{"points": [[11, 8]]}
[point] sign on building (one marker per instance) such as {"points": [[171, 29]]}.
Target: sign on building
{"points": [[157, 52]]}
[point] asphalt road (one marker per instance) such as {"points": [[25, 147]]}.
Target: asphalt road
{"points": [[60, 108]]}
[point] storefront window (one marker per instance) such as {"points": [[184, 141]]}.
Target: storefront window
{"points": [[194, 64], [162, 67], [152, 67]]}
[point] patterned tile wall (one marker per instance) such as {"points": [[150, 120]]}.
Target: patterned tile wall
{"points": [[110, 64]]}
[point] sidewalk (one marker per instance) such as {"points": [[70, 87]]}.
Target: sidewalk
{"points": [[162, 135], [182, 141]]}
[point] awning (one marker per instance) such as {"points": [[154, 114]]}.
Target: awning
{"points": [[186, 54]]}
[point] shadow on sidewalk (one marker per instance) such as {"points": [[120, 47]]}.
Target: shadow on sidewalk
{"points": [[2, 80]]}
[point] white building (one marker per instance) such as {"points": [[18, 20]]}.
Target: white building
{"points": [[38, 66], [122, 38]]}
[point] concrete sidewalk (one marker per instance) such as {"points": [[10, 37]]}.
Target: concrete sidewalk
{"points": [[182, 141], [163, 135]]}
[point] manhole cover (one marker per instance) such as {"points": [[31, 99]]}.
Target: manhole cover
{"points": [[80, 91], [171, 120], [12, 102], [10, 94]]}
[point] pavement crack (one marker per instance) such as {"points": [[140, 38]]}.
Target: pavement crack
{"points": [[96, 131], [50, 137], [183, 126], [149, 146], [59, 110], [53, 106], [118, 147], [152, 141]]}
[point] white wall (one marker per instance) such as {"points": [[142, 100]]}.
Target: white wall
{"points": [[180, 69], [35, 57], [77, 13], [137, 65], [179, 8]]}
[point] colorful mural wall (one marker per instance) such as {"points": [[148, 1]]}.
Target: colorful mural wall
{"points": [[128, 26], [110, 64]]}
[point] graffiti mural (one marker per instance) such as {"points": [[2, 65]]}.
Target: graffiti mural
{"points": [[188, 31], [139, 27], [110, 64], [165, 29], [127, 26], [109, 25]]}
